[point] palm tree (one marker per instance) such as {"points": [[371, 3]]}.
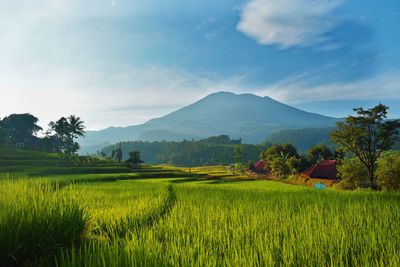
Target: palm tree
{"points": [[77, 129], [67, 129]]}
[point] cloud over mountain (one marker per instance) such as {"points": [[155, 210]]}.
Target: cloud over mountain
{"points": [[289, 23]]}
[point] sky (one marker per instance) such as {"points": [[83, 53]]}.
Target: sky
{"points": [[123, 62]]}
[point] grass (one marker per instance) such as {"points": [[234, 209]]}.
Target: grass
{"points": [[35, 220], [259, 223], [159, 216]]}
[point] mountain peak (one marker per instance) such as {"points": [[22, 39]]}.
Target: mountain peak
{"points": [[245, 116]]}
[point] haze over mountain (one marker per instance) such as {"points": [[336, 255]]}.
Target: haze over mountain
{"points": [[245, 116]]}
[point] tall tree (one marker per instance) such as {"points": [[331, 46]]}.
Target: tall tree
{"points": [[367, 135], [66, 130], [117, 153], [76, 126], [20, 128]]}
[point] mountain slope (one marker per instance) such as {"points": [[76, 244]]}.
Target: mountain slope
{"points": [[245, 116], [302, 139]]}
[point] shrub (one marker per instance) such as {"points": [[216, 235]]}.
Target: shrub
{"points": [[352, 173], [388, 173]]}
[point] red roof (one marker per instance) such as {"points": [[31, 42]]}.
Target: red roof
{"points": [[260, 165], [325, 170]]}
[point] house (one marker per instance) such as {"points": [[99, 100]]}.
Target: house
{"points": [[324, 170], [259, 167]]}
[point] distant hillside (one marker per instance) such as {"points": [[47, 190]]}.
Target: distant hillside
{"points": [[302, 139], [216, 150], [245, 116]]}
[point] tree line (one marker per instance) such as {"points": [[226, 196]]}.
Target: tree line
{"points": [[21, 131], [215, 150], [361, 139]]}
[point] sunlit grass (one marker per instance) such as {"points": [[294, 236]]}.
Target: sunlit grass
{"points": [[161, 216], [36, 219], [260, 223]]}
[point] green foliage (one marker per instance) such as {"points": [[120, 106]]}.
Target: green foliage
{"points": [[19, 129], [66, 130], [302, 139], [318, 153], [352, 173], [221, 140], [238, 154], [35, 220], [388, 172], [134, 159], [208, 151], [117, 153], [278, 166], [3, 135], [367, 135], [282, 160]]}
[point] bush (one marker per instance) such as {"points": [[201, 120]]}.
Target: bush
{"points": [[352, 173], [388, 173]]}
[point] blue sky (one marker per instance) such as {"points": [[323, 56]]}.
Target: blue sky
{"points": [[120, 62]]}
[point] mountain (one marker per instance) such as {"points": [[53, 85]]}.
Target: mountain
{"points": [[245, 116]]}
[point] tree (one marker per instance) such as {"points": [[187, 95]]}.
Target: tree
{"points": [[339, 154], [282, 160], [134, 159], [352, 174], [76, 126], [367, 135], [66, 130], [287, 150], [238, 154], [49, 144], [388, 172], [318, 153], [117, 153], [19, 128]]}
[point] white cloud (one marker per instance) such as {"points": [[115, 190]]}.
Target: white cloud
{"points": [[296, 90], [289, 23], [129, 97]]}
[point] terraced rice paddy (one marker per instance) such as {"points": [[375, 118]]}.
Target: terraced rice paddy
{"points": [[134, 219]]}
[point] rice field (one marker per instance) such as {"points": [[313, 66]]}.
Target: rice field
{"points": [[173, 220]]}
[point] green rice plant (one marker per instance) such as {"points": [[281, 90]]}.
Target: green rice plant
{"points": [[120, 253], [35, 220], [260, 223], [133, 225], [138, 219], [80, 170], [232, 227]]}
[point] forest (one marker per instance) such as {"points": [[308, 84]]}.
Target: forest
{"points": [[216, 150]]}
